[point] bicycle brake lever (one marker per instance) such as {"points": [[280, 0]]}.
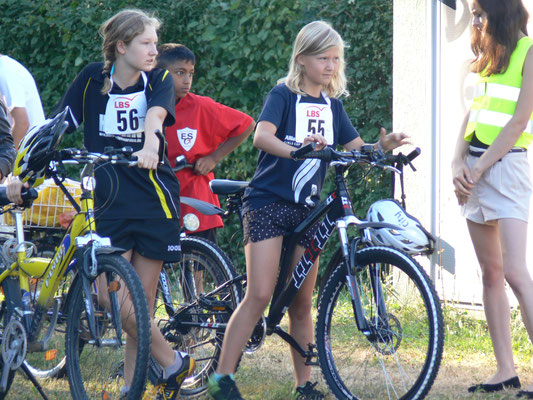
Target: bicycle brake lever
{"points": [[391, 168]]}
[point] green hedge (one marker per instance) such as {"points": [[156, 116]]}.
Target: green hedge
{"points": [[243, 48]]}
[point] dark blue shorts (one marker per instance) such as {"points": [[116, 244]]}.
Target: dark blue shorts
{"points": [[276, 219], [158, 239]]}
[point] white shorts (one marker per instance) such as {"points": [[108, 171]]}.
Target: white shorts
{"points": [[503, 191]]}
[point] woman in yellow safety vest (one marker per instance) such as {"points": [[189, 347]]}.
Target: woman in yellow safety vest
{"points": [[491, 172]]}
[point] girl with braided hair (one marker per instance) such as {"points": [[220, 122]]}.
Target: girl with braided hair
{"points": [[124, 101]]}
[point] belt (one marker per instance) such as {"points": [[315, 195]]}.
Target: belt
{"points": [[513, 150]]}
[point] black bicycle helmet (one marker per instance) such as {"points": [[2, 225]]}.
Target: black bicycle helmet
{"points": [[38, 147]]}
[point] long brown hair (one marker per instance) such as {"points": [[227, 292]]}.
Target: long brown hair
{"points": [[494, 45], [123, 26]]}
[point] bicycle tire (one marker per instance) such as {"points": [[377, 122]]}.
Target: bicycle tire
{"points": [[4, 318], [203, 344], [402, 358], [91, 369]]}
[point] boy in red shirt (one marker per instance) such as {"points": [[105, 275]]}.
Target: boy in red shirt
{"points": [[205, 132]]}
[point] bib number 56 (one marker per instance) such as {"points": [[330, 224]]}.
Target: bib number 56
{"points": [[127, 121]]}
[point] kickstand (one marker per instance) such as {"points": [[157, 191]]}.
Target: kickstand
{"points": [[30, 376]]}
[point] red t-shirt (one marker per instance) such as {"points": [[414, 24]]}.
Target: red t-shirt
{"points": [[202, 125]]}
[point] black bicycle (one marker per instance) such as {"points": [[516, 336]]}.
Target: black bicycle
{"points": [[379, 332]]}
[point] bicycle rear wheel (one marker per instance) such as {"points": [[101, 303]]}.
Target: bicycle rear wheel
{"points": [[203, 268], [92, 360], [399, 358]]}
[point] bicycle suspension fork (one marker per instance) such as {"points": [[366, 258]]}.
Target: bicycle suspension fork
{"points": [[352, 266]]}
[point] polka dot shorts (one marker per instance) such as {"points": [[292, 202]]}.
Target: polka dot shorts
{"points": [[276, 219]]}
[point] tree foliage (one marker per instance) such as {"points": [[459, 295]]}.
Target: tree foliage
{"points": [[242, 48]]}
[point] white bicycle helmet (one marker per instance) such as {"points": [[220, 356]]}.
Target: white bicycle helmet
{"points": [[412, 238]]}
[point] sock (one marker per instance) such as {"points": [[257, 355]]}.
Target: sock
{"points": [[218, 377], [176, 365]]}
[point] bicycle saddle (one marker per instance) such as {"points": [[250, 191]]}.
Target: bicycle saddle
{"points": [[226, 186]]}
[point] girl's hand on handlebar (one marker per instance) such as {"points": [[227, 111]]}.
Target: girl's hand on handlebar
{"points": [[14, 188], [392, 140], [147, 158], [319, 140]]}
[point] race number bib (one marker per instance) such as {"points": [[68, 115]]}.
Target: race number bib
{"points": [[312, 118], [124, 114]]}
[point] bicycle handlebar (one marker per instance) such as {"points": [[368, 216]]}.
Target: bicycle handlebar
{"points": [[122, 156], [367, 154], [181, 163]]}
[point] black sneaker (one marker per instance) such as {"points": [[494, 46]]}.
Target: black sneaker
{"points": [[223, 389], [168, 389], [308, 392]]}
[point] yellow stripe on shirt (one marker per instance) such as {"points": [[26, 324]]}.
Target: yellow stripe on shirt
{"points": [[84, 92], [160, 194]]}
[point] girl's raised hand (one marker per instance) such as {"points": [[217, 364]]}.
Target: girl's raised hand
{"points": [[319, 140], [392, 140]]}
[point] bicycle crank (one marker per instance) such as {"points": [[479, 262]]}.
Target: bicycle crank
{"points": [[257, 338], [14, 346]]}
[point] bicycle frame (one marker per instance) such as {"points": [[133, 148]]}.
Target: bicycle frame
{"points": [[335, 212], [80, 233]]}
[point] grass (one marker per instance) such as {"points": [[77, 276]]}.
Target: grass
{"points": [[267, 374]]}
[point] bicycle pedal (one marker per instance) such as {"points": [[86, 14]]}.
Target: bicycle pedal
{"points": [[213, 305], [37, 346]]}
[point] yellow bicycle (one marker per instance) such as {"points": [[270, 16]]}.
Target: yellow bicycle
{"points": [[105, 299]]}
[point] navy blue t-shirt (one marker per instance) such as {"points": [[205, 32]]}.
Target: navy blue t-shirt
{"points": [[279, 178], [124, 192]]}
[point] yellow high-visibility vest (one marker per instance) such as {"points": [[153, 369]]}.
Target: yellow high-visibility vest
{"points": [[495, 100]]}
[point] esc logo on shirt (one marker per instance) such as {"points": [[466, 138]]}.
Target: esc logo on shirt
{"points": [[187, 137]]}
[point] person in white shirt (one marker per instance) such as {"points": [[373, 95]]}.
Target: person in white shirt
{"points": [[21, 96]]}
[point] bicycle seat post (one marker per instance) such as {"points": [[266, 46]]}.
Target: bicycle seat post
{"points": [[19, 230]]}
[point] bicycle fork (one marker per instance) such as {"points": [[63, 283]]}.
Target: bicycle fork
{"points": [[350, 256]]}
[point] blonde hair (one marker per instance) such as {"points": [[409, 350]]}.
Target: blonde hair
{"points": [[123, 26], [316, 38]]}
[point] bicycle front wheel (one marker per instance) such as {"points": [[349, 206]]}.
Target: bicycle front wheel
{"points": [[398, 357], [51, 363], [95, 356]]}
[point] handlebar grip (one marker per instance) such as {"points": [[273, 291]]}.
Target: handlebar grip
{"points": [[28, 195], [162, 145], [412, 155], [302, 151]]}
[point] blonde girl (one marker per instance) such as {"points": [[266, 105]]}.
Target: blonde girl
{"points": [[303, 108]]}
